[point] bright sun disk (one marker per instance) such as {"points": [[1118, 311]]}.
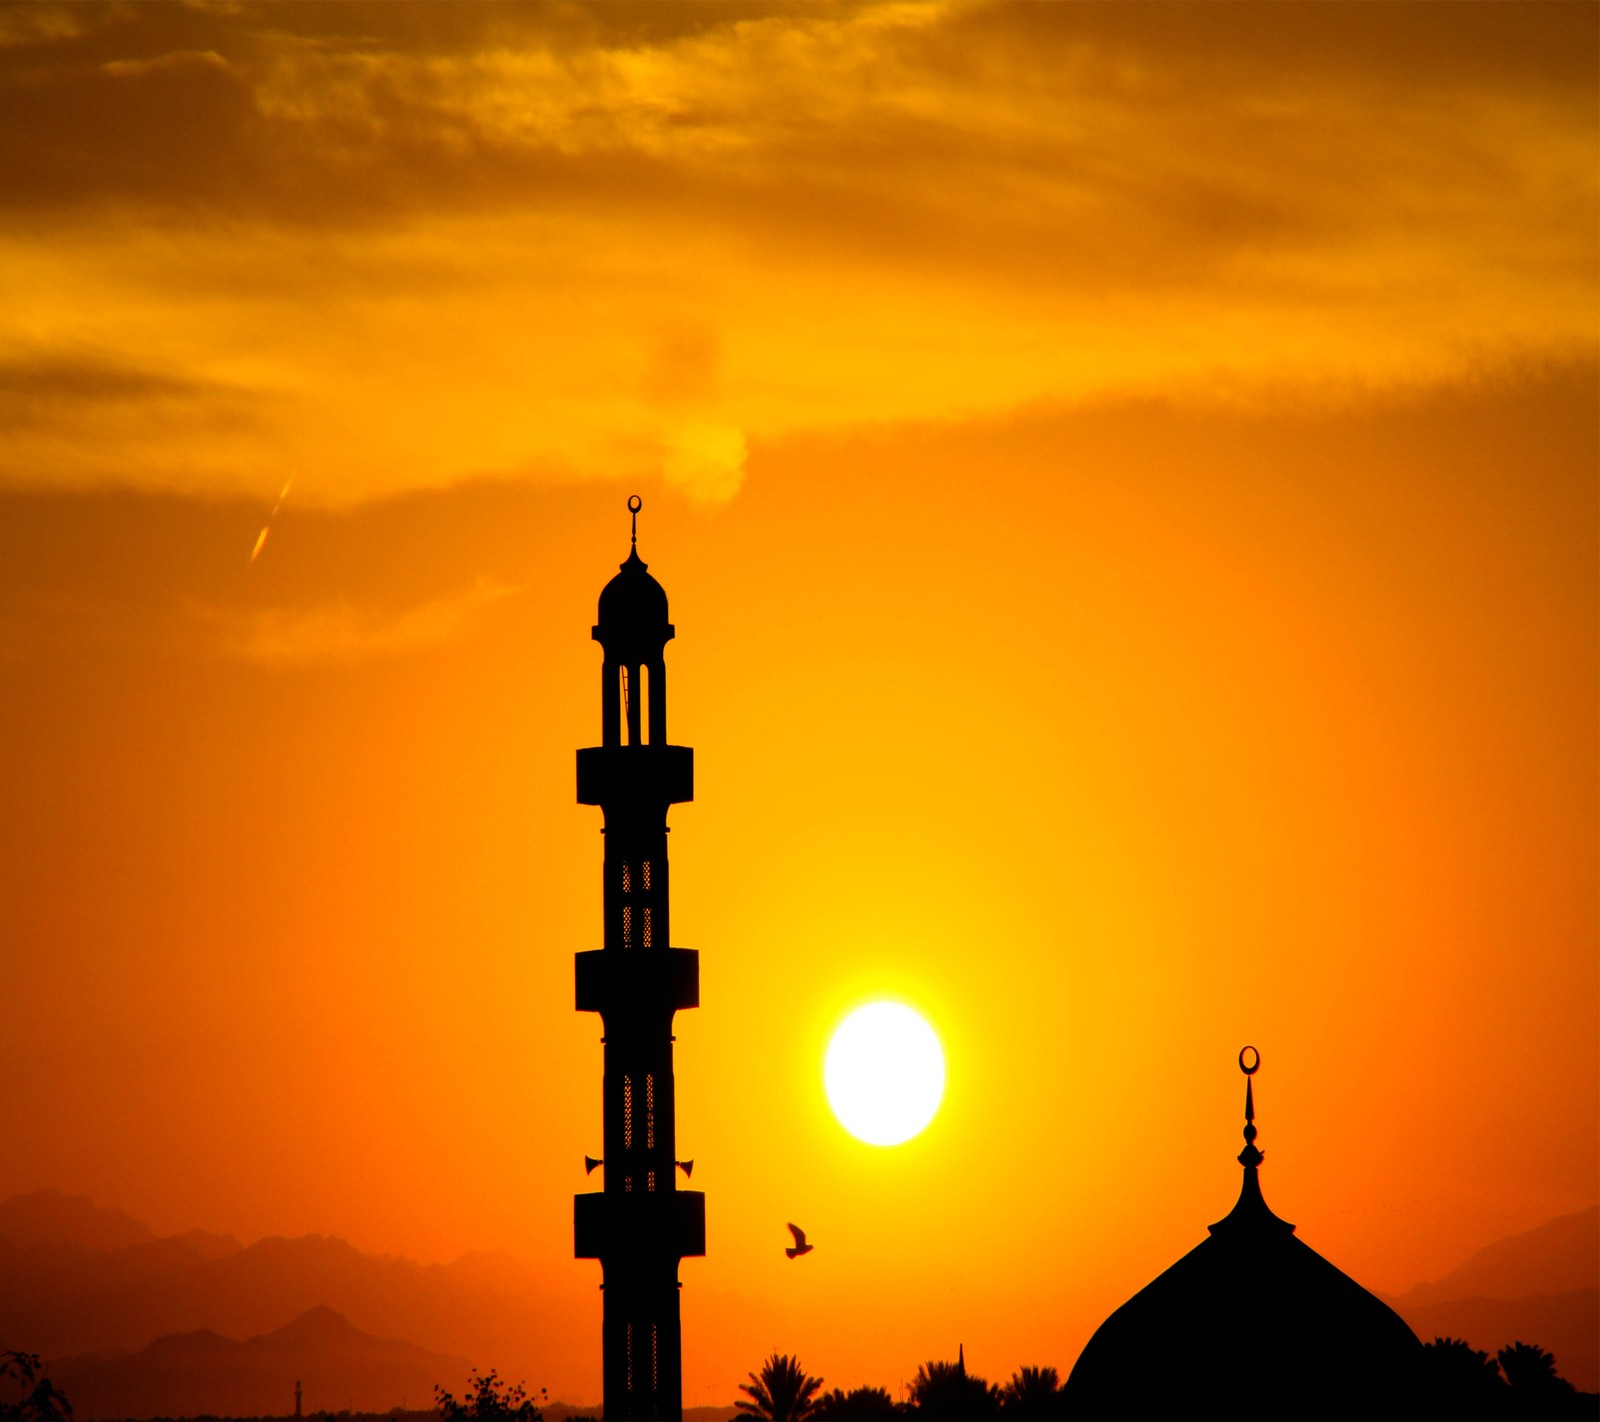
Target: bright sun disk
{"points": [[884, 1073]]}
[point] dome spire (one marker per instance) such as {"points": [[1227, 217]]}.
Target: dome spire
{"points": [[635, 503], [1250, 1157], [1251, 1211]]}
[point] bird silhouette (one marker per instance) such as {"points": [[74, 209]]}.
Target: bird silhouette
{"points": [[800, 1245]]}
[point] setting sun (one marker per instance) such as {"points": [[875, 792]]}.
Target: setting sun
{"points": [[884, 1073]]}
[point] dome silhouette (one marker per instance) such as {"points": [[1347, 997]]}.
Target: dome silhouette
{"points": [[633, 600], [1250, 1323], [632, 624]]}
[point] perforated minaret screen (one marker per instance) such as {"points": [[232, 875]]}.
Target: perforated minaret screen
{"points": [[641, 1224]]}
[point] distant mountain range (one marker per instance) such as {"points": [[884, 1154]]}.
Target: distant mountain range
{"points": [[203, 1374], [1540, 1287], [77, 1280], [132, 1325], [49, 1217]]}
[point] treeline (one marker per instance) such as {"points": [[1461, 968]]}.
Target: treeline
{"points": [[1520, 1381], [1458, 1382], [783, 1390]]}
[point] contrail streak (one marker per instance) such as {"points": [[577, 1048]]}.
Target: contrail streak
{"points": [[266, 528]]}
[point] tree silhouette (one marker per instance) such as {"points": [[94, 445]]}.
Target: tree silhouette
{"points": [[1537, 1389], [1033, 1394], [39, 1399], [1529, 1368], [946, 1391], [488, 1395], [781, 1391], [1462, 1381], [861, 1404]]}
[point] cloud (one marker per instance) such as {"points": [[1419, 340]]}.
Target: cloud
{"points": [[706, 460], [79, 380], [65, 413], [436, 242], [339, 631]]}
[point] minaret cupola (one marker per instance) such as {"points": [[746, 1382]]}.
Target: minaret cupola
{"points": [[633, 630]]}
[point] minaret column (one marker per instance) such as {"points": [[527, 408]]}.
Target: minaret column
{"points": [[640, 1225]]}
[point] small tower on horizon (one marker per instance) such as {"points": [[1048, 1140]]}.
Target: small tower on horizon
{"points": [[297, 1397], [641, 1224]]}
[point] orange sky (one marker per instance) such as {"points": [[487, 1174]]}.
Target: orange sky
{"points": [[1126, 479]]}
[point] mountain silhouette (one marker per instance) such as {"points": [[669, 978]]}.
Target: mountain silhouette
{"points": [[78, 1279], [1557, 1257], [206, 1244], [1539, 1287], [61, 1297], [203, 1373], [49, 1217]]}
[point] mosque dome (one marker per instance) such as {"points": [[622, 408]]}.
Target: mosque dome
{"points": [[1250, 1323]]}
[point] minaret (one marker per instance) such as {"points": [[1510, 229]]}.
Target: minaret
{"points": [[641, 1224]]}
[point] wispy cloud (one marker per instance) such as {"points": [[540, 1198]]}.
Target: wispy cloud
{"points": [[340, 631], [44, 385]]}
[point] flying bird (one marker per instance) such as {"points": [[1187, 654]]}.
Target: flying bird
{"points": [[800, 1245]]}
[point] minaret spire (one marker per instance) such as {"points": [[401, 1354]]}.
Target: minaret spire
{"points": [[635, 503]]}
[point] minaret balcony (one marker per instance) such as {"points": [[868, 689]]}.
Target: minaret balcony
{"points": [[606, 1223], [610, 775], [622, 982]]}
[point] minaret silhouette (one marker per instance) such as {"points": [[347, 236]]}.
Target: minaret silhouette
{"points": [[641, 1224]]}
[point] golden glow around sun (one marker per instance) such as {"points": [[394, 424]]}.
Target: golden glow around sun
{"points": [[884, 1073]]}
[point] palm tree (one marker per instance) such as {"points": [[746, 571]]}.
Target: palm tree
{"points": [[1463, 1381], [781, 1391], [1033, 1394], [1532, 1372], [947, 1390], [860, 1404]]}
